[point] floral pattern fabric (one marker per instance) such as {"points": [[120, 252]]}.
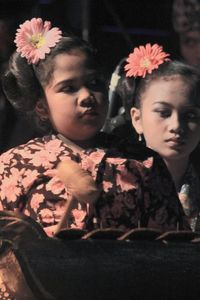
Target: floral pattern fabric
{"points": [[4, 292], [134, 193], [189, 195]]}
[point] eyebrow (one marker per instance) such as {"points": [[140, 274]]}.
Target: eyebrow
{"points": [[190, 106], [71, 80], [162, 102]]}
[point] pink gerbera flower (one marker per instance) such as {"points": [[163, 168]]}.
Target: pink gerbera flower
{"points": [[35, 38], [144, 60]]}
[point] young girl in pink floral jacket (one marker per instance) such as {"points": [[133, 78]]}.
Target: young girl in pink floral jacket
{"points": [[55, 77]]}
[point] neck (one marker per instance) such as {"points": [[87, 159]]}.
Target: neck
{"points": [[84, 144], [177, 169], [77, 145]]}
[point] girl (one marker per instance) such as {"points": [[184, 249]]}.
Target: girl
{"points": [[65, 95], [57, 77], [167, 113]]}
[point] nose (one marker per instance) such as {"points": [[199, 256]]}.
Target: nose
{"points": [[86, 98], [176, 124]]}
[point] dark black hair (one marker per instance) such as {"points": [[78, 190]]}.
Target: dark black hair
{"points": [[23, 83]]}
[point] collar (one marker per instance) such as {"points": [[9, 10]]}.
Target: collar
{"points": [[70, 144]]}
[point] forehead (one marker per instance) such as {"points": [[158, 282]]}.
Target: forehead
{"points": [[174, 89], [71, 65], [70, 61]]}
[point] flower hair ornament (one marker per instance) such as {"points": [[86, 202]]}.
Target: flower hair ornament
{"points": [[34, 39], [144, 59]]}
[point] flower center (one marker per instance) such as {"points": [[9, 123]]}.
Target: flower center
{"points": [[37, 40], [145, 62]]}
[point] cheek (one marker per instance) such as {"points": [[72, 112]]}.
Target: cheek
{"points": [[148, 121], [150, 135], [57, 114], [61, 115], [153, 129], [60, 104]]}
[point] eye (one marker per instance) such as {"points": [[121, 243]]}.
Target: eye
{"points": [[163, 113], [69, 89]]}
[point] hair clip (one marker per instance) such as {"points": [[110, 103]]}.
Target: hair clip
{"points": [[35, 38]]}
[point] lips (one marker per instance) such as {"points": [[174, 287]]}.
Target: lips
{"points": [[89, 115], [175, 142], [90, 112]]}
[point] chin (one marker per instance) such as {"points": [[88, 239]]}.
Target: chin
{"points": [[175, 156], [88, 136], [90, 131]]}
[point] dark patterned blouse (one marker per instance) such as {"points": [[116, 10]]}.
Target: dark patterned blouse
{"points": [[134, 193]]}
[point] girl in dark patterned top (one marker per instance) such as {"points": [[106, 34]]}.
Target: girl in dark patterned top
{"points": [[166, 113]]}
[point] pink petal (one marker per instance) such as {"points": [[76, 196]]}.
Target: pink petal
{"points": [[36, 27], [154, 54]]}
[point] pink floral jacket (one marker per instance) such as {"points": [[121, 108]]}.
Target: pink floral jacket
{"points": [[133, 192]]}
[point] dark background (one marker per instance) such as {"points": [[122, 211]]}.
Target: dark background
{"points": [[114, 27]]}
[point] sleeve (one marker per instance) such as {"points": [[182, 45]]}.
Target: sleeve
{"points": [[15, 180], [135, 193], [120, 182]]}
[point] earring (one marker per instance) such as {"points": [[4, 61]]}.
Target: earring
{"points": [[140, 138]]}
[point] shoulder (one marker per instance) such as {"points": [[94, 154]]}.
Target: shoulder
{"points": [[135, 150], [37, 152], [124, 147], [49, 142], [112, 162]]}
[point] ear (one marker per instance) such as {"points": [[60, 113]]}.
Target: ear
{"points": [[42, 110], [136, 119]]}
